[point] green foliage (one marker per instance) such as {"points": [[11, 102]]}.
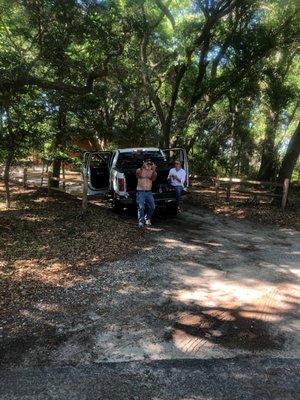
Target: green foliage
{"points": [[210, 74]]}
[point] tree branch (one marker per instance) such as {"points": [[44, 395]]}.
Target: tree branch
{"points": [[223, 48], [146, 79], [29, 80], [166, 12]]}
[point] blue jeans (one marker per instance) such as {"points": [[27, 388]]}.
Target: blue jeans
{"points": [[141, 199], [178, 193]]}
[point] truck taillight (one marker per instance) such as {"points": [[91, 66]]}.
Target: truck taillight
{"points": [[121, 184]]}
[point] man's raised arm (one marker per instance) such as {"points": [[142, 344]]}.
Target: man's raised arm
{"points": [[154, 173], [138, 172]]}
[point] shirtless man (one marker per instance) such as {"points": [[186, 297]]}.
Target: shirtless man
{"points": [[145, 176]]}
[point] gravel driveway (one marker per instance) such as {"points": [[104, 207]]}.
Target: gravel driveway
{"points": [[204, 287]]}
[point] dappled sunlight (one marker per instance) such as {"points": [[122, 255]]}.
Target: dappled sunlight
{"points": [[235, 291], [218, 292], [155, 349], [295, 253], [34, 218], [262, 213], [246, 314], [154, 229], [292, 269], [46, 272], [214, 244], [4, 209], [49, 307], [289, 232], [50, 256], [200, 288], [37, 311], [175, 244], [232, 326], [148, 248], [217, 289]]}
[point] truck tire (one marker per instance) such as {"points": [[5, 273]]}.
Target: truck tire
{"points": [[172, 209], [117, 206]]}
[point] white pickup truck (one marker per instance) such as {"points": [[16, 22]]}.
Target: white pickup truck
{"points": [[114, 173]]}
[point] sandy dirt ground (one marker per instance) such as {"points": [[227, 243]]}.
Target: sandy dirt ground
{"points": [[203, 286], [205, 307]]}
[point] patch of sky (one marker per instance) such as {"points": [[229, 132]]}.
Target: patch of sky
{"points": [[257, 16], [51, 108], [183, 12], [212, 54], [284, 121], [170, 44], [88, 2], [283, 145]]}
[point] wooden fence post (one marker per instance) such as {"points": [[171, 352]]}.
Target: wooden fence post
{"points": [[217, 186], [25, 177], [228, 190], [285, 191], [49, 181], [84, 192], [42, 176], [64, 176]]}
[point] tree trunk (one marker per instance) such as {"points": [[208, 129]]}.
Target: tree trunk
{"points": [[59, 144], [233, 109], [267, 168], [10, 155], [6, 178], [56, 171], [245, 165], [291, 156], [165, 136]]}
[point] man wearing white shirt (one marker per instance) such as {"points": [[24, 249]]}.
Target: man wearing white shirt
{"points": [[177, 177]]}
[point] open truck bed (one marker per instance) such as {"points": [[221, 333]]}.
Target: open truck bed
{"points": [[115, 173]]}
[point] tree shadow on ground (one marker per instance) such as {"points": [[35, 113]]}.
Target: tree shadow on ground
{"points": [[244, 328], [47, 300], [49, 254]]}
